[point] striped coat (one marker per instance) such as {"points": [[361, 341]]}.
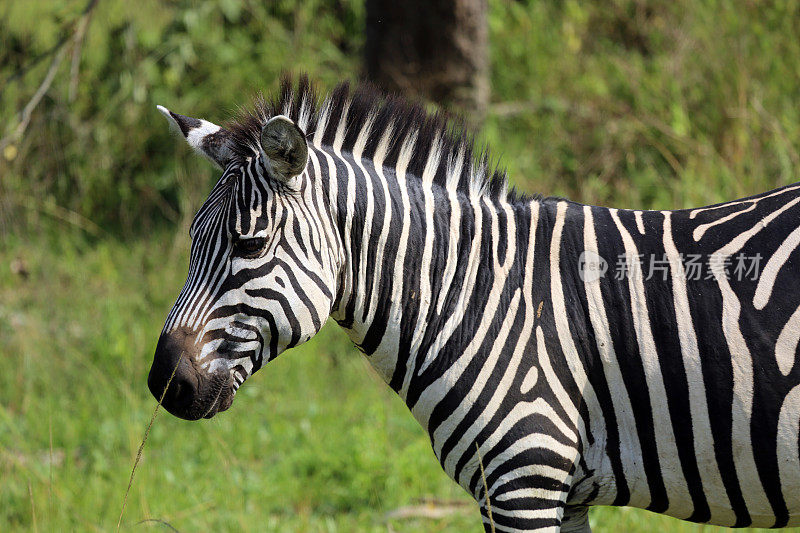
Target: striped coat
{"points": [[559, 355]]}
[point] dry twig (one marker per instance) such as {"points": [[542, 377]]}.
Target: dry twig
{"points": [[430, 509], [25, 116], [485, 488], [59, 50]]}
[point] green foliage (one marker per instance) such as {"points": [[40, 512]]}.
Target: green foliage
{"points": [[105, 153], [646, 104]]}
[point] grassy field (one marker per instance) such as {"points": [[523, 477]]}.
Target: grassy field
{"points": [[632, 103], [314, 442]]}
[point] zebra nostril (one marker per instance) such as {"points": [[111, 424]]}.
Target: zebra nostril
{"points": [[180, 393], [173, 376]]}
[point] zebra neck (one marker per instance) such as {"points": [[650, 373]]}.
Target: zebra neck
{"points": [[426, 269]]}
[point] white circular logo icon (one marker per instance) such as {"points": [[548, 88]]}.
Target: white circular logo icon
{"points": [[591, 267]]}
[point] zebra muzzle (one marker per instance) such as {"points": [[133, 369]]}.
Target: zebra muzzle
{"points": [[193, 392]]}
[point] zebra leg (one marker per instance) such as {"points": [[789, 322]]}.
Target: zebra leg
{"points": [[576, 520], [524, 514], [531, 492]]}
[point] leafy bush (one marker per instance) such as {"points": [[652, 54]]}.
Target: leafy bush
{"points": [[647, 104], [103, 152]]}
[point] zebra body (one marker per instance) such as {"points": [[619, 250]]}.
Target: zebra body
{"points": [[560, 385]]}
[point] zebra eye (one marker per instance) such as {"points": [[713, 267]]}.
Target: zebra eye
{"points": [[244, 247]]}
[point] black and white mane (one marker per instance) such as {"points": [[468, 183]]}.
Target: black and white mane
{"points": [[470, 168]]}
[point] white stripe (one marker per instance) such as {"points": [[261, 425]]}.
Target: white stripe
{"points": [[788, 452], [384, 361], [531, 377], [452, 249], [348, 289], [700, 230], [555, 384], [639, 222], [530, 514], [773, 267], [703, 438], [425, 295], [366, 233], [500, 393], [457, 415], [779, 192], [545, 471], [392, 335], [630, 447], [786, 345], [457, 315], [520, 494], [680, 501], [742, 407], [322, 123], [338, 138], [570, 352]]}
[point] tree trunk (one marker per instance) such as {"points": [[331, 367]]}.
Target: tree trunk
{"points": [[430, 49]]}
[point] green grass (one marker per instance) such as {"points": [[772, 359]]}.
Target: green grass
{"points": [[314, 442]]}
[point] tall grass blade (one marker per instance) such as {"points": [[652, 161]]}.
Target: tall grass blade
{"points": [[144, 440]]}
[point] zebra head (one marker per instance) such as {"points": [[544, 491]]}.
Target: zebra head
{"points": [[259, 278]]}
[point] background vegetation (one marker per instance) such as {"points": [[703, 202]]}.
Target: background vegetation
{"points": [[647, 104]]}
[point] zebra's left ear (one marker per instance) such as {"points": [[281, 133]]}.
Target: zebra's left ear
{"points": [[284, 143], [207, 139]]}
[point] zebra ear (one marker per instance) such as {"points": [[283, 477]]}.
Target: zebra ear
{"points": [[284, 143], [206, 138]]}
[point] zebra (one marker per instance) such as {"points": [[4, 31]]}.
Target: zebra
{"points": [[548, 379]]}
